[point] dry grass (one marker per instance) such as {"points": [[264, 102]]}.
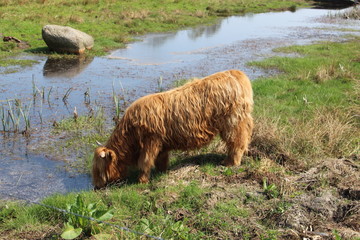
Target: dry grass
{"points": [[333, 71], [353, 13], [355, 110], [76, 19], [269, 142], [327, 72], [135, 14], [200, 14], [324, 73], [328, 133], [170, 18]]}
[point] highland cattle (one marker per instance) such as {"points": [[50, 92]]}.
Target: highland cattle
{"points": [[183, 118]]}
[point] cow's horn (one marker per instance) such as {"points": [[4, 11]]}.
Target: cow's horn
{"points": [[102, 154], [98, 143]]}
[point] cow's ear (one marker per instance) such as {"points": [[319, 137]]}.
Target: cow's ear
{"points": [[110, 154]]}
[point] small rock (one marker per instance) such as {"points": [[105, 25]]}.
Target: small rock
{"points": [[66, 39]]}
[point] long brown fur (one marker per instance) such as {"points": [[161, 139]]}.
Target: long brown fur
{"points": [[184, 118]]}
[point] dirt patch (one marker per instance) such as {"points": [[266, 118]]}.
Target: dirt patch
{"points": [[327, 202], [343, 174], [320, 203]]}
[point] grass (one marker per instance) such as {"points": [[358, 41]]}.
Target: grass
{"points": [[319, 93], [113, 23]]}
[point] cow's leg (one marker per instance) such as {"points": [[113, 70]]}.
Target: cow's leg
{"points": [[162, 161], [148, 154], [237, 139]]}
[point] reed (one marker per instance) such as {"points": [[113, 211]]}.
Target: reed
{"points": [[160, 84], [66, 95], [43, 93], [14, 114], [26, 116], [116, 103], [48, 95], [87, 98], [41, 112], [35, 89], [3, 118]]}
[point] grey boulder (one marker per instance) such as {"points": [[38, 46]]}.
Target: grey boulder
{"points": [[66, 39]]}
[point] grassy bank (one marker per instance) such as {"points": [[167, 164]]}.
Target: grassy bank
{"points": [[316, 103], [300, 179], [113, 23]]}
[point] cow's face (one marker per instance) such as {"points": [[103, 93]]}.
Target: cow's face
{"points": [[104, 168]]}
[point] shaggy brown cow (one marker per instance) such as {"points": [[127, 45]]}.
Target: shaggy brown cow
{"points": [[183, 118]]}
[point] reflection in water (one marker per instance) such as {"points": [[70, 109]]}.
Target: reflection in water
{"points": [[66, 67], [25, 175], [206, 31], [35, 177], [333, 4], [161, 39]]}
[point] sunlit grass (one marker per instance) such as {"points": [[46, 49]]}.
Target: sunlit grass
{"points": [[114, 23], [311, 110]]}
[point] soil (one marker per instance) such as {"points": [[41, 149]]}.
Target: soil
{"points": [[324, 200]]}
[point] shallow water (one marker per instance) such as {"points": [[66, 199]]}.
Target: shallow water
{"points": [[135, 71]]}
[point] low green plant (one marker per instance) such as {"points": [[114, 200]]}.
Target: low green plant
{"points": [[181, 82], [336, 235], [228, 171], [82, 218], [270, 190], [6, 211], [191, 197]]}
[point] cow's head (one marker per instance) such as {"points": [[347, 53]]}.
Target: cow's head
{"points": [[105, 169]]}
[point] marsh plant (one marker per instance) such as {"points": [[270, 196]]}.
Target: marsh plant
{"points": [[87, 97], [352, 13], [160, 84], [118, 100], [66, 95], [14, 115], [116, 104], [84, 218]]}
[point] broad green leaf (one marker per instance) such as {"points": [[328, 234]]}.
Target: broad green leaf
{"points": [[70, 232], [104, 215]]}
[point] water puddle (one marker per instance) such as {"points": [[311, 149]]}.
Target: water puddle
{"points": [[229, 44]]}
